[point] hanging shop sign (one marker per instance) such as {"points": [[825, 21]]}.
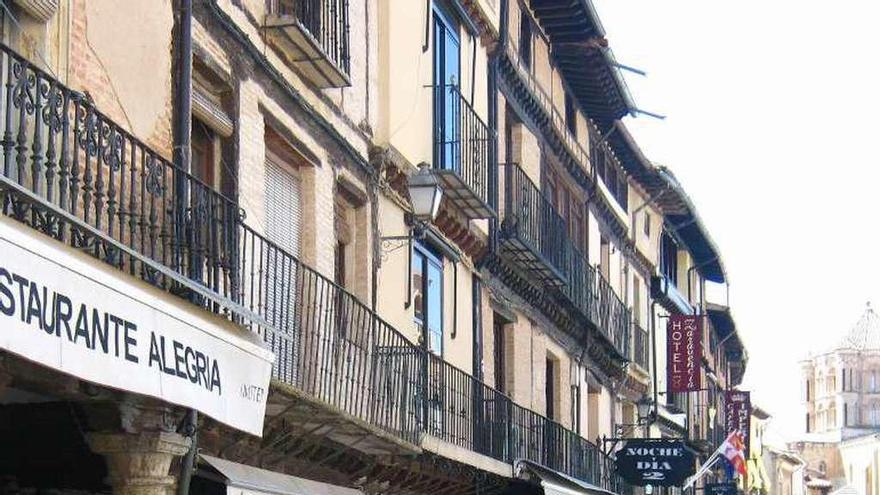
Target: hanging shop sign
{"points": [[656, 462], [738, 414], [720, 489], [68, 312], [684, 348]]}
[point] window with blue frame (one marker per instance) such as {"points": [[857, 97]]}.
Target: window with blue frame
{"points": [[427, 283], [447, 78]]}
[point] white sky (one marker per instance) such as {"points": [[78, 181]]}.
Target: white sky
{"points": [[771, 128]]}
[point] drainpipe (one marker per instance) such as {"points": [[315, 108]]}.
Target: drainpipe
{"points": [[183, 122], [181, 155], [656, 412]]}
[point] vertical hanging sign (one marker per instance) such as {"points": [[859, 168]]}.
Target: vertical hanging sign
{"points": [[684, 351], [738, 414]]}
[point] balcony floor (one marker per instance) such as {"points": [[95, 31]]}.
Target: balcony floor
{"points": [[304, 52], [520, 253], [457, 191]]}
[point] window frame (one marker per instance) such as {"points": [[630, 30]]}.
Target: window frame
{"points": [[429, 258]]}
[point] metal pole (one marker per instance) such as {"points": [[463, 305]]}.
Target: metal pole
{"points": [[190, 429], [181, 154]]}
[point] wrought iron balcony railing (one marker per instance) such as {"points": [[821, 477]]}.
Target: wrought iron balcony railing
{"points": [[533, 233], [461, 151], [600, 161], [640, 347], [535, 236], [316, 32], [71, 173]]}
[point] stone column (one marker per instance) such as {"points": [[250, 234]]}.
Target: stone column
{"points": [[138, 463]]}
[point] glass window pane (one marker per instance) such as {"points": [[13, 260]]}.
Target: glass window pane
{"points": [[434, 307]]}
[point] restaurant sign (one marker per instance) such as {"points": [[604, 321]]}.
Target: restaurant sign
{"points": [[66, 311], [684, 349], [656, 462], [738, 414]]}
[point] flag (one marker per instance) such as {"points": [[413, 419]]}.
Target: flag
{"points": [[733, 450]]}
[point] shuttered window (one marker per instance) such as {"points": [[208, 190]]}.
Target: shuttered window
{"points": [[283, 207]]}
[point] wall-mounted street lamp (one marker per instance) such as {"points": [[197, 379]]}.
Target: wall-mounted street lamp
{"points": [[644, 408], [425, 195]]}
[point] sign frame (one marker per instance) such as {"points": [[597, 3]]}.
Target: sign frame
{"points": [[684, 353], [655, 461]]}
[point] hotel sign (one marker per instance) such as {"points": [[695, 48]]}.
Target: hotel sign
{"points": [[738, 414], [684, 349], [656, 462], [65, 311]]}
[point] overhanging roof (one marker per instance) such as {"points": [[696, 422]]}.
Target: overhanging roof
{"points": [[683, 219], [667, 193], [579, 48], [725, 327]]}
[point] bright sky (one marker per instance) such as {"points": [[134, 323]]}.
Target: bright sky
{"points": [[770, 105]]}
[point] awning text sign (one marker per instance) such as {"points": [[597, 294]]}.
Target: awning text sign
{"points": [[738, 414], [67, 312], [684, 349], [655, 462]]}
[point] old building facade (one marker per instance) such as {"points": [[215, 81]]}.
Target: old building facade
{"points": [[238, 174], [841, 410]]}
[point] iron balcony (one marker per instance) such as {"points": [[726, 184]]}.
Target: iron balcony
{"points": [[71, 173]]}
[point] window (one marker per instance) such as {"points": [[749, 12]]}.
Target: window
{"points": [[202, 158], [550, 388], [637, 301], [808, 423], [570, 115], [807, 390], [604, 257], [576, 407], [446, 99], [283, 207], [578, 226], [669, 258], [427, 282], [843, 379], [498, 339], [845, 414], [873, 381], [525, 39], [647, 224]]}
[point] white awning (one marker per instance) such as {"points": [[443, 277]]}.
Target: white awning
{"points": [[556, 483], [241, 478]]}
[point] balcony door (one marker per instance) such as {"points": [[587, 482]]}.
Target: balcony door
{"points": [[447, 78]]}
